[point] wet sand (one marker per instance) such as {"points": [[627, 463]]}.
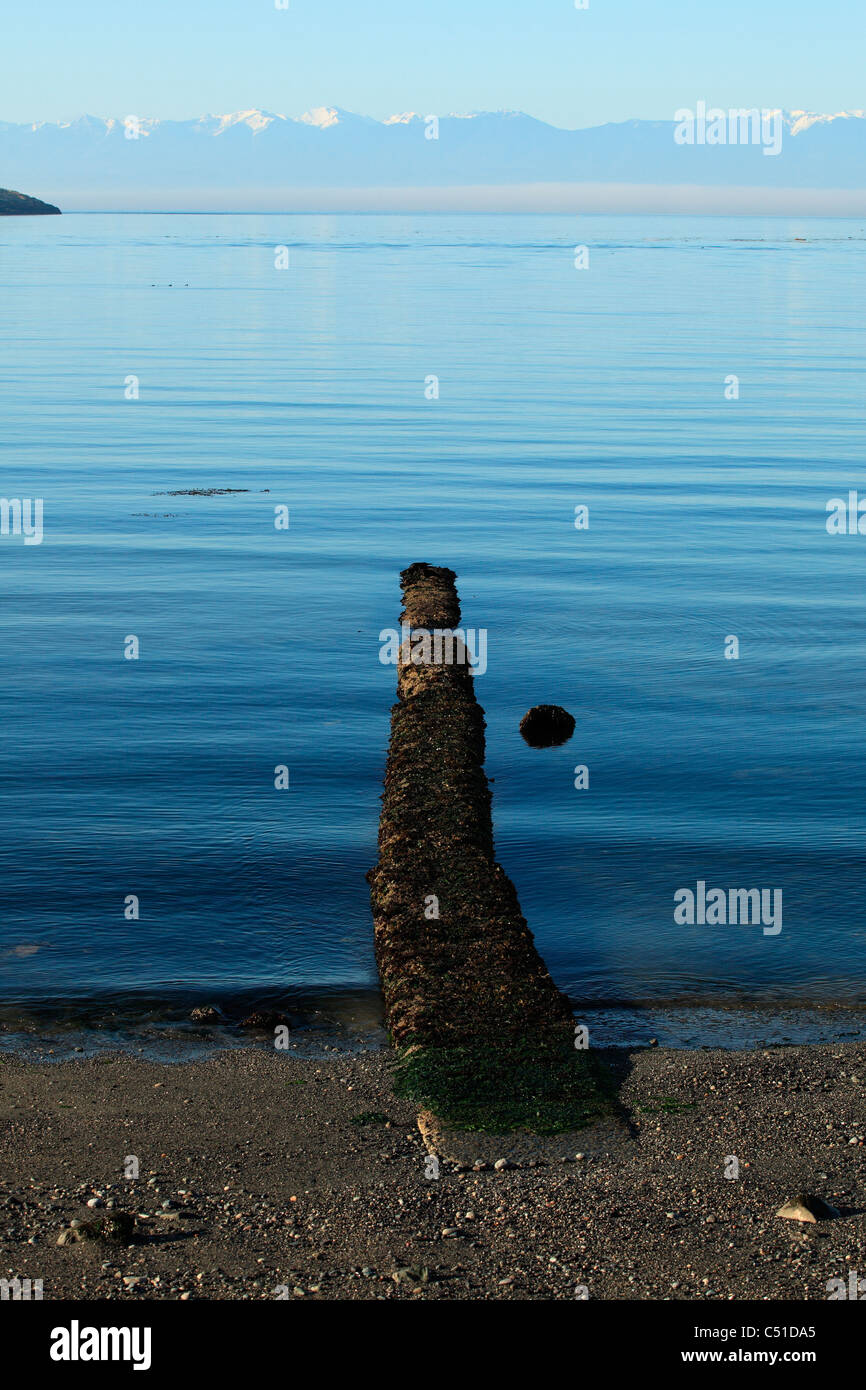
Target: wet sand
{"points": [[263, 1174]]}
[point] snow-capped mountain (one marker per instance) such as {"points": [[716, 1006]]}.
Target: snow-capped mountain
{"points": [[250, 158]]}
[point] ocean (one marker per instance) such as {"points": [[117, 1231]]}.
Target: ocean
{"points": [[448, 389]]}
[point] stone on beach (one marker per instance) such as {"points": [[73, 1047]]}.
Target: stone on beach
{"points": [[807, 1206], [266, 1020], [117, 1227], [206, 1013]]}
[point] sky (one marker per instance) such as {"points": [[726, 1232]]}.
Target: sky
{"points": [[614, 61]]}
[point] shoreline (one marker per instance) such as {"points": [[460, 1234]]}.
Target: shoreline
{"points": [[262, 1170], [353, 1023]]}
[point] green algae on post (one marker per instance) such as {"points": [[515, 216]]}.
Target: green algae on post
{"points": [[484, 1037], [541, 1085]]}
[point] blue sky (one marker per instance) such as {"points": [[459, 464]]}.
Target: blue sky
{"points": [[617, 59]]}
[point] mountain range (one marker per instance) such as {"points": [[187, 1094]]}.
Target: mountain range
{"points": [[254, 158]]}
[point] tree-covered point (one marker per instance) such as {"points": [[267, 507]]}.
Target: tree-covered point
{"points": [[14, 204]]}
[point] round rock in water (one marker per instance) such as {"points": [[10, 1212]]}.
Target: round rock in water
{"points": [[545, 726]]}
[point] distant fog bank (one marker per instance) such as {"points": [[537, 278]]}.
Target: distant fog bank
{"points": [[496, 198]]}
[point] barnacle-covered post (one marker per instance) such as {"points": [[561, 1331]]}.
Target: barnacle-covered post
{"points": [[469, 1002]]}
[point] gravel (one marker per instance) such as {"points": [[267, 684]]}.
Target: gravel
{"points": [[254, 1182]]}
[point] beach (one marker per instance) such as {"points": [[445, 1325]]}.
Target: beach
{"points": [[264, 1175]]}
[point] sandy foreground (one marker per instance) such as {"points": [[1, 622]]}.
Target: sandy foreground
{"points": [[266, 1175]]}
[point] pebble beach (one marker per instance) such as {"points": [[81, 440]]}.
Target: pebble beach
{"points": [[265, 1176]]}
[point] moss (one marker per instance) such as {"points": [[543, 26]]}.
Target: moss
{"points": [[541, 1087], [369, 1117]]}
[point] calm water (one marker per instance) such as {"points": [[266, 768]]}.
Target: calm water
{"points": [[306, 386]]}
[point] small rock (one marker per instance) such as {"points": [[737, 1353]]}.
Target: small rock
{"points": [[265, 1019], [115, 1226], [500, 1164], [411, 1274], [206, 1013], [807, 1207]]}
